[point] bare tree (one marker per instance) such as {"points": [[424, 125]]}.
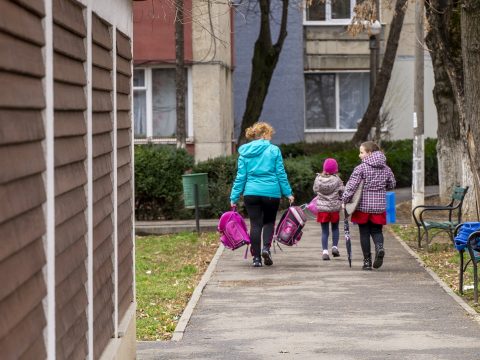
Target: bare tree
{"points": [[444, 28], [376, 101], [264, 60], [461, 64], [471, 67], [180, 80]]}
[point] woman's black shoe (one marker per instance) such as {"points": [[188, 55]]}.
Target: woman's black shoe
{"points": [[267, 257], [257, 261]]}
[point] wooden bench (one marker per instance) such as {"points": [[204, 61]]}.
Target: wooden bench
{"points": [[473, 247], [425, 219]]}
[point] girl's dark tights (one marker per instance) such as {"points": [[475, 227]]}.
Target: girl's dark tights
{"points": [[370, 230]]}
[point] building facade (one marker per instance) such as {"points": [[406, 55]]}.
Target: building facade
{"points": [[66, 185], [209, 66], [321, 86]]}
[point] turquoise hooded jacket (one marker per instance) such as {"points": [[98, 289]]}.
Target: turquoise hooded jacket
{"points": [[260, 171]]}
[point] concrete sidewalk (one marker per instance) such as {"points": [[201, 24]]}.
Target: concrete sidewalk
{"points": [[306, 308]]}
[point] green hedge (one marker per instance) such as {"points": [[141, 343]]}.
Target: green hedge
{"points": [[221, 174], [158, 182], [158, 174]]}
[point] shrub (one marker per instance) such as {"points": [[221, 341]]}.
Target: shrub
{"points": [[221, 174], [159, 169], [301, 177], [398, 152], [158, 181]]}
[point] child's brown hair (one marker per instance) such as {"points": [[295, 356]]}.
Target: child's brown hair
{"points": [[370, 146]]}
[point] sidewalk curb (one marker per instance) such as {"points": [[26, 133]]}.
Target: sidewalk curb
{"points": [[448, 290], [187, 313]]}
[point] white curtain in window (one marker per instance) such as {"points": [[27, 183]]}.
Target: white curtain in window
{"points": [[320, 101], [140, 113], [354, 97], [164, 114]]}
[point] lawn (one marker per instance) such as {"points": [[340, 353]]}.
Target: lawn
{"points": [[168, 268], [442, 258]]}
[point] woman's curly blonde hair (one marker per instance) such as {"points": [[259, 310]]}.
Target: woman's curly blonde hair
{"points": [[259, 130]]}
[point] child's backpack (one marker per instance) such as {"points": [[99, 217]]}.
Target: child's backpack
{"points": [[233, 230], [289, 229], [312, 206]]}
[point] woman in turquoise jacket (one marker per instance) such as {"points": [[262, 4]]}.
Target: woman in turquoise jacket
{"points": [[262, 180]]}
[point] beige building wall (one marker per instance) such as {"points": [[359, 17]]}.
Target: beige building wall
{"points": [[212, 80], [331, 48], [399, 97]]}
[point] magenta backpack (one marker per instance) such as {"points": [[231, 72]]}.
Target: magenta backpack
{"points": [[233, 230], [289, 229]]}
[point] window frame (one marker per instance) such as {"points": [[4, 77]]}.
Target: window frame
{"points": [[148, 86], [328, 15], [337, 128]]}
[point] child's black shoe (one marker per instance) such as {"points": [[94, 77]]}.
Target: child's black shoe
{"points": [[378, 258], [367, 263]]}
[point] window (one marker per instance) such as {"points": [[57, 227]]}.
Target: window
{"points": [[154, 106], [329, 11], [139, 104], [335, 101]]}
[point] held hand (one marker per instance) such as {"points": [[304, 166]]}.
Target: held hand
{"points": [[232, 204], [291, 199]]}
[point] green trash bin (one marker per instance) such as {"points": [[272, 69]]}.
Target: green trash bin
{"points": [[189, 181]]}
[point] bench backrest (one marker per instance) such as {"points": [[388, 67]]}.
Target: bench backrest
{"points": [[458, 195]]}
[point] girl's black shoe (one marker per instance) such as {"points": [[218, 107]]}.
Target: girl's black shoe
{"points": [[257, 261], [367, 263], [378, 258]]}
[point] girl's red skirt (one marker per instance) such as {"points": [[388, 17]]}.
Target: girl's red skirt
{"points": [[324, 217], [359, 217]]}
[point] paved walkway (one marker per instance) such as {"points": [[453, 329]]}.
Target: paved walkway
{"points": [[306, 308]]}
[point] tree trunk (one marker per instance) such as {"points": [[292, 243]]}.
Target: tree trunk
{"points": [[373, 108], [444, 23], [180, 75], [471, 65], [450, 146], [264, 61]]}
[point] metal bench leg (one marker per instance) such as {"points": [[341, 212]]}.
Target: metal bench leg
{"points": [[460, 278], [427, 240], [419, 237], [475, 281], [450, 232]]}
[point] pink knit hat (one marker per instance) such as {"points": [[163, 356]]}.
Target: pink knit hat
{"points": [[330, 166]]}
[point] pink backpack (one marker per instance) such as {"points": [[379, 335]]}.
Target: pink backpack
{"points": [[289, 229], [312, 206], [233, 230]]}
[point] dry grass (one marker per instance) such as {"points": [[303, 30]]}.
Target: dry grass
{"points": [[442, 257]]}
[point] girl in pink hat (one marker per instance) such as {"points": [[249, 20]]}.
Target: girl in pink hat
{"points": [[329, 188]]}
